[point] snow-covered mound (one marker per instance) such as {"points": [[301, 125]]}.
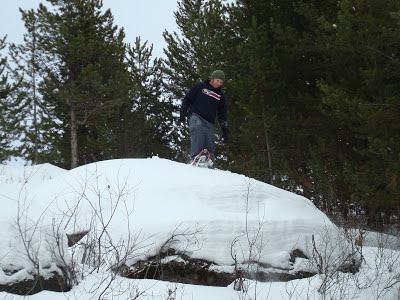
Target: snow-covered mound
{"points": [[141, 206], [27, 244]]}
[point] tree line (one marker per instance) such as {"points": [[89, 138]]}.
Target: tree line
{"points": [[312, 89]]}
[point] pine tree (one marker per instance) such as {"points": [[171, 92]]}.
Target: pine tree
{"points": [[275, 83], [4, 85], [86, 78], [146, 121], [361, 102], [8, 86], [5, 89], [30, 118]]}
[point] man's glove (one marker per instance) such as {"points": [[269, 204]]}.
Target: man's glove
{"points": [[182, 117], [225, 134]]}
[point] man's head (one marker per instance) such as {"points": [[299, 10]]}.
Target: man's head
{"points": [[217, 78]]}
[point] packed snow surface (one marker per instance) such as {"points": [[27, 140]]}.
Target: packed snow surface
{"points": [[146, 204]]}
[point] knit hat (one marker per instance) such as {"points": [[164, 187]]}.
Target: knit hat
{"points": [[218, 74]]}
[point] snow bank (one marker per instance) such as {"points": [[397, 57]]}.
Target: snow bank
{"points": [[139, 206]]}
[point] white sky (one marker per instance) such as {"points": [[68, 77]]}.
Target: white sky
{"points": [[147, 19]]}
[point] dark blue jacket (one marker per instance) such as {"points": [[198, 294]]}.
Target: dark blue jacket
{"points": [[206, 101]]}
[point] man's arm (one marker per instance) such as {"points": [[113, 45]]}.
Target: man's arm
{"points": [[223, 119], [187, 102]]}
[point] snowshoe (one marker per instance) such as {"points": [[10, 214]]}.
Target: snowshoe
{"points": [[203, 159]]}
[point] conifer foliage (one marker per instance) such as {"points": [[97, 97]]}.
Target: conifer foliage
{"points": [[28, 115], [84, 76], [146, 119], [84, 94], [362, 103], [4, 92]]}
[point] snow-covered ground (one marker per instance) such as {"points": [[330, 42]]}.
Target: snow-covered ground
{"points": [[134, 208]]}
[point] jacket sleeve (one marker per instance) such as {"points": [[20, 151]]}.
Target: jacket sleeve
{"points": [[222, 114], [189, 99]]}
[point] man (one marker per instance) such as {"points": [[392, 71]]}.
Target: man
{"points": [[201, 105]]}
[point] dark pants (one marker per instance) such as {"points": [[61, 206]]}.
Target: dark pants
{"points": [[202, 135]]}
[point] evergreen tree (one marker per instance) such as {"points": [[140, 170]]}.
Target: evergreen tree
{"points": [[28, 114], [361, 103], [86, 78], [4, 85], [146, 121], [278, 121], [5, 89], [8, 131]]}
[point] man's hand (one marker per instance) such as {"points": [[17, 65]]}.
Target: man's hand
{"points": [[225, 134], [182, 118]]}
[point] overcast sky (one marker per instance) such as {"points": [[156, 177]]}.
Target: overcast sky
{"points": [[145, 18]]}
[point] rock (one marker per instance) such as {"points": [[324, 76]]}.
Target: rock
{"points": [[174, 266], [177, 267], [74, 238], [56, 283]]}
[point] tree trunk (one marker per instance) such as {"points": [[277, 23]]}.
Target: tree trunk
{"points": [[74, 138], [271, 173], [35, 118], [267, 143]]}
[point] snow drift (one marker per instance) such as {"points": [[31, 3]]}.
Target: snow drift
{"points": [[140, 207]]}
